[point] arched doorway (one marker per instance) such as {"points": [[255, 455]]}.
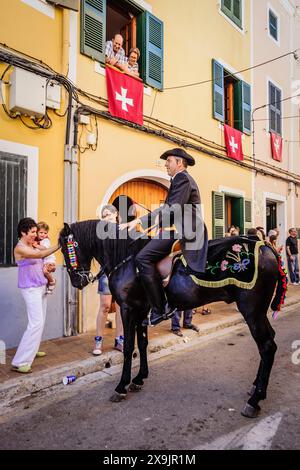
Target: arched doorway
{"points": [[145, 194]]}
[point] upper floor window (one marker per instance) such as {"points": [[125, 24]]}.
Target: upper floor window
{"points": [[273, 25], [231, 99], [233, 9], [102, 19], [275, 109]]}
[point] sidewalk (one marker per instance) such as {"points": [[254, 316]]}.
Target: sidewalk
{"points": [[73, 355]]}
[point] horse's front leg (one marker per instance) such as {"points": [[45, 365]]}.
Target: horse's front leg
{"points": [[142, 340], [129, 335]]}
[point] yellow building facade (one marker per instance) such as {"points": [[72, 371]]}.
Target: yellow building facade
{"points": [[192, 53]]}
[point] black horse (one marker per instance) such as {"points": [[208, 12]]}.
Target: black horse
{"points": [[80, 244]]}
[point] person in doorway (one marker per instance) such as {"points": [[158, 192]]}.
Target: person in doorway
{"points": [[108, 213], [115, 54], [32, 283], [132, 62]]}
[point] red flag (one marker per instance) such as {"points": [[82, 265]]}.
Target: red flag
{"points": [[276, 146], [233, 142], [125, 96]]}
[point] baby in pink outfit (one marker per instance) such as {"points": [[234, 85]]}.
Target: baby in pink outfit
{"points": [[50, 261]]}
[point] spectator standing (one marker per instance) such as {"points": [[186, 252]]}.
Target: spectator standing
{"points": [[187, 322], [32, 283], [292, 256], [261, 233], [110, 214]]}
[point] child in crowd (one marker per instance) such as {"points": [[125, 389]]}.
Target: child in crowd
{"points": [[49, 261]]}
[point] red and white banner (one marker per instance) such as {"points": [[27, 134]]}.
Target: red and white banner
{"points": [[125, 96], [276, 146], [233, 142]]}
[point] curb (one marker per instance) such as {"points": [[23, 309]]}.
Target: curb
{"points": [[17, 389]]}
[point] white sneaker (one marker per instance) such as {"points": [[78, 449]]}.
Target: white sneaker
{"points": [[295, 283], [98, 346]]}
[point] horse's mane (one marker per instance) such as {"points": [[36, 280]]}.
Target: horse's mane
{"points": [[110, 250], [120, 248], [85, 235]]}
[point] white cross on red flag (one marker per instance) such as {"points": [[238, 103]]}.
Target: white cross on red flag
{"points": [[125, 96], [276, 146], [233, 142]]}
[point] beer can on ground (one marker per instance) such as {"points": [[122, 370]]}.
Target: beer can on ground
{"points": [[68, 379]]}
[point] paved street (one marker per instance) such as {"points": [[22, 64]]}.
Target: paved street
{"points": [[192, 400]]}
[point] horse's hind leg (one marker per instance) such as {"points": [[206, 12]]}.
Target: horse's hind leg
{"points": [[263, 334], [129, 334], [142, 340]]}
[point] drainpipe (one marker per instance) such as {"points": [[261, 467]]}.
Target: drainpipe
{"points": [[70, 303]]}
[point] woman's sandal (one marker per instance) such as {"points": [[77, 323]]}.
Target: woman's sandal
{"points": [[22, 369]]}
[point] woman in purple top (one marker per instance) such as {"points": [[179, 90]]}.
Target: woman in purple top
{"points": [[32, 282]]}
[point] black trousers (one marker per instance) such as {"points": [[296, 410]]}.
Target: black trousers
{"points": [[145, 261], [153, 252]]}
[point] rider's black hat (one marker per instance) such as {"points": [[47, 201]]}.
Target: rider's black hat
{"points": [[179, 153]]}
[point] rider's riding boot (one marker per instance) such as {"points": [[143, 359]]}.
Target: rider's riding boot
{"points": [[160, 309]]}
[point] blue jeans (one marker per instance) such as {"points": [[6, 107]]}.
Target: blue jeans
{"points": [[293, 266], [187, 319]]}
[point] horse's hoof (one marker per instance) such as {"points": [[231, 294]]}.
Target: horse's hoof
{"points": [[134, 387], [250, 412], [252, 390], [118, 397]]}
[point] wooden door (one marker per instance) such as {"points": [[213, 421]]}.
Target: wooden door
{"points": [[148, 194]]}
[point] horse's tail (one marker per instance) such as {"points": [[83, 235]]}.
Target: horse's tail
{"points": [[281, 287]]}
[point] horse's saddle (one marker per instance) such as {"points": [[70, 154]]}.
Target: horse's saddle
{"points": [[165, 266]]}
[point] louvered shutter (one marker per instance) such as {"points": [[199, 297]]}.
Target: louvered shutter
{"points": [[218, 203], [151, 43], [93, 29], [218, 90], [13, 197], [242, 107]]}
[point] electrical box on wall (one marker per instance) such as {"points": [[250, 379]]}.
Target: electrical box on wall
{"points": [[53, 95], [27, 93]]}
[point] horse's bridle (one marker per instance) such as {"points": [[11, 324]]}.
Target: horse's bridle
{"points": [[85, 275]]}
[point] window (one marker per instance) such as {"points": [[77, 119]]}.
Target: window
{"points": [[273, 25], [13, 190], [233, 9], [231, 99], [228, 210], [275, 109], [102, 19]]}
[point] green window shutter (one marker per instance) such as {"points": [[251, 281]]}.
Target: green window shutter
{"points": [[218, 91], [150, 41], [248, 215], [93, 29], [275, 109], [218, 211], [242, 107]]}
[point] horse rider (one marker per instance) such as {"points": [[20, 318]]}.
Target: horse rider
{"points": [[178, 218]]}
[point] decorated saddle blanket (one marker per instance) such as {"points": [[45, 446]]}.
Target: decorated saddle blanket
{"points": [[232, 260]]}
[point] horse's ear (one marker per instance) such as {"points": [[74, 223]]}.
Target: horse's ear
{"points": [[67, 229]]}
